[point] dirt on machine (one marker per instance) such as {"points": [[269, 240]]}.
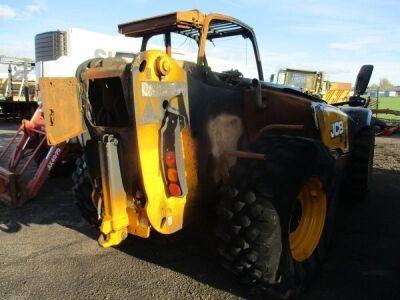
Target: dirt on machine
{"points": [[166, 140]]}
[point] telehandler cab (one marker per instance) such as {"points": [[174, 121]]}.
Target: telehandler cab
{"points": [[162, 137]]}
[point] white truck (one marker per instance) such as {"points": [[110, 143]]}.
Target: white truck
{"points": [[59, 53]]}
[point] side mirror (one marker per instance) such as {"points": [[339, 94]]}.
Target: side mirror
{"points": [[363, 78]]}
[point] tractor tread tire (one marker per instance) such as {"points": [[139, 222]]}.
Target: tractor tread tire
{"points": [[359, 176], [256, 252]]}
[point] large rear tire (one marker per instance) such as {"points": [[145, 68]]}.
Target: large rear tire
{"points": [[276, 216]]}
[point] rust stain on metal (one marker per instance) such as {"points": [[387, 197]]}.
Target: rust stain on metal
{"points": [[104, 72]]}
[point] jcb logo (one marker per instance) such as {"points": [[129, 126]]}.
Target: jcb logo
{"points": [[336, 129]]}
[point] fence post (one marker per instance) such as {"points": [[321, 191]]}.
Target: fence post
{"points": [[377, 101]]}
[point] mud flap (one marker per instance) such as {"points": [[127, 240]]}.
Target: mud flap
{"points": [[61, 107]]}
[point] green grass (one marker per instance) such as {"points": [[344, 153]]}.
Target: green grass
{"points": [[387, 102]]}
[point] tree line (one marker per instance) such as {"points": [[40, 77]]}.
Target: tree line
{"points": [[384, 85]]}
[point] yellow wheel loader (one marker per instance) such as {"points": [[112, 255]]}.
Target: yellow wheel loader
{"points": [[314, 83], [163, 137]]}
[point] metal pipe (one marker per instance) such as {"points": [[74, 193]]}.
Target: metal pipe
{"points": [[244, 154], [9, 144], [272, 127], [258, 94], [32, 156]]}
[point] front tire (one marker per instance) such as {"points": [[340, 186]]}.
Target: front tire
{"points": [[264, 229], [359, 172]]}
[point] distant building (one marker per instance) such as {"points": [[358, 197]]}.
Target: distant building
{"points": [[396, 89], [394, 92]]}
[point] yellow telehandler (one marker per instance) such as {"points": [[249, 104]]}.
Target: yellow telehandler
{"points": [[163, 137]]}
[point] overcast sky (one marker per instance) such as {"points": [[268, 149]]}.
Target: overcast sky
{"points": [[334, 36]]}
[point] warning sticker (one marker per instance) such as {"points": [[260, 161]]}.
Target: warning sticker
{"points": [[149, 116]]}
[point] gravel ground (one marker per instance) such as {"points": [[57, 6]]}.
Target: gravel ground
{"points": [[48, 252], [387, 154]]}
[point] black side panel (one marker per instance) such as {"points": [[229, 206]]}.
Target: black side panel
{"points": [[359, 118], [207, 101], [209, 98]]}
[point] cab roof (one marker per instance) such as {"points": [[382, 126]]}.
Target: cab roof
{"points": [[186, 23]]}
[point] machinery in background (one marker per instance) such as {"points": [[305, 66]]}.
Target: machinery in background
{"points": [[310, 82], [314, 83], [17, 91], [337, 92], [27, 160]]}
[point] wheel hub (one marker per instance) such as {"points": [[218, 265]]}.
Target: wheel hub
{"points": [[307, 220]]}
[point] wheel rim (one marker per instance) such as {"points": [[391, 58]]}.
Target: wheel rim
{"points": [[307, 220]]}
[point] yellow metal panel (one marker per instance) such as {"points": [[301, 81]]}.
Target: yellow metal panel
{"points": [[62, 115], [338, 92], [340, 86], [164, 213], [115, 220], [334, 127], [193, 17], [138, 223]]}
